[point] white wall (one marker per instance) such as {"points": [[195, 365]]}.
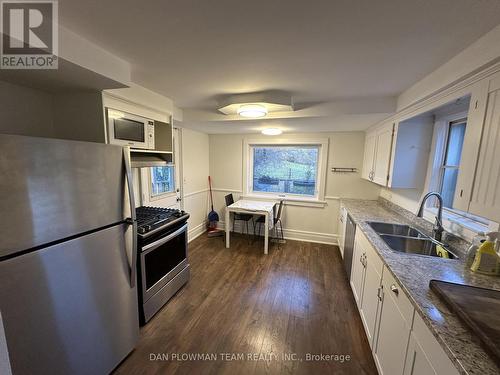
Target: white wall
{"points": [[80, 51], [195, 169], [194, 172], [79, 116], [25, 111], [305, 223], [480, 54]]}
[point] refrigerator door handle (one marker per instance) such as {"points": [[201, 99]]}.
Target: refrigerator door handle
{"points": [[132, 220], [130, 183]]}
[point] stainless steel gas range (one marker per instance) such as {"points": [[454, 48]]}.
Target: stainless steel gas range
{"points": [[163, 266]]}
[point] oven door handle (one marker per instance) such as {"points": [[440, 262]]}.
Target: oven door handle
{"points": [[132, 220], [161, 241]]}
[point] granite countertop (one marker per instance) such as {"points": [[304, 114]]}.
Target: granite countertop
{"points": [[413, 272]]}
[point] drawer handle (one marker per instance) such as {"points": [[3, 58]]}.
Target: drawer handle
{"points": [[395, 289], [380, 293]]}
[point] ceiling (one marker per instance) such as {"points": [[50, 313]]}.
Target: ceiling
{"points": [[317, 51]]}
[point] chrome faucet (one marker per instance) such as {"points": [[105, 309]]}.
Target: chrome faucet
{"points": [[438, 227]]}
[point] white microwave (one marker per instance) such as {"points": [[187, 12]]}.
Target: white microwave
{"points": [[125, 129]]}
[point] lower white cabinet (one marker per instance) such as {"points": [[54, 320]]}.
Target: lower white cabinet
{"points": [[394, 328], [401, 342], [341, 229], [417, 362], [357, 272], [370, 305], [425, 356], [366, 277]]}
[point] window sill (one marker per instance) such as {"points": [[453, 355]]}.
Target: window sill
{"points": [[162, 196], [304, 202], [459, 225]]}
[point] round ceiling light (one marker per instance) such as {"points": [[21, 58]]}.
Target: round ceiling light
{"points": [[252, 110], [272, 131]]}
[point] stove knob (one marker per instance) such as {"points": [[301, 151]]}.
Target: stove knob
{"points": [[144, 229]]}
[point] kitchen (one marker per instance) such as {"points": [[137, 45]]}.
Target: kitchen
{"points": [[182, 196]]}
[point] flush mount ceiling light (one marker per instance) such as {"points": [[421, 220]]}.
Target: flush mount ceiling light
{"points": [[252, 110], [269, 102], [272, 131]]}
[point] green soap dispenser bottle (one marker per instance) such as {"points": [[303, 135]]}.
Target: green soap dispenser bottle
{"points": [[486, 260]]}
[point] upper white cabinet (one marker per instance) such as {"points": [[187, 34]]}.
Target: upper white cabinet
{"points": [[383, 154], [377, 156], [410, 152], [369, 156], [396, 154], [478, 185]]}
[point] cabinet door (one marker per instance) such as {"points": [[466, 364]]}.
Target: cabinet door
{"points": [[357, 273], [383, 153], [369, 156], [486, 189], [417, 362], [471, 145], [392, 338], [370, 300]]}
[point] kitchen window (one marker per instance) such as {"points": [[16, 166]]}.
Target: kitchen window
{"points": [[451, 160], [162, 180], [286, 169], [449, 135]]}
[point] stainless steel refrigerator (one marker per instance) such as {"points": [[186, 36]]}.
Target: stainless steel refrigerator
{"points": [[68, 298]]}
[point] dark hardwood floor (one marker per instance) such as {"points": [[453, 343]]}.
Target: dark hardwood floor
{"points": [[240, 302]]}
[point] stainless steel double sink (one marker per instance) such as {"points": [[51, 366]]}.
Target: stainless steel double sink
{"points": [[406, 239]]}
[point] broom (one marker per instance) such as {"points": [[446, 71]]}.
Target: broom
{"points": [[213, 217]]}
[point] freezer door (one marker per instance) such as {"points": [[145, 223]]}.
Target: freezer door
{"points": [[70, 308], [52, 189]]}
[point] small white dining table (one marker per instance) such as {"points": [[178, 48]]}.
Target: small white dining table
{"points": [[251, 207]]}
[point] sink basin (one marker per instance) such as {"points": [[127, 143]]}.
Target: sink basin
{"points": [[396, 229], [409, 245]]}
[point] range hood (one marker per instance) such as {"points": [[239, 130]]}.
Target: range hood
{"points": [[150, 158]]}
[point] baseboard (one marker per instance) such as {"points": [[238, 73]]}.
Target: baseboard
{"points": [[302, 235], [197, 231], [292, 234]]}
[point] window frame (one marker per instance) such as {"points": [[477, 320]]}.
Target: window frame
{"points": [[469, 223], [319, 196], [446, 141], [153, 197]]}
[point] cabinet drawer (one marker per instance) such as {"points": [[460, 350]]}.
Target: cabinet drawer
{"points": [[392, 287]]}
